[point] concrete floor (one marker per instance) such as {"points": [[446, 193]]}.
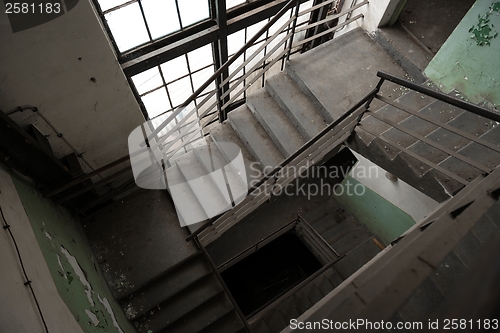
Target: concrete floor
{"points": [[432, 21], [136, 239]]}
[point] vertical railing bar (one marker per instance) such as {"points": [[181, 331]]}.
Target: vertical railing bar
{"points": [[223, 284]]}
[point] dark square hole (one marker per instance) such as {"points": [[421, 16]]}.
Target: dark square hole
{"points": [[271, 271]]}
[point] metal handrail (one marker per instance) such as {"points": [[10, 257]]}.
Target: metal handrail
{"points": [[290, 158], [441, 96]]}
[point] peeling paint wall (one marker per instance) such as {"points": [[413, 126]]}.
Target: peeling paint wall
{"points": [[463, 64], [71, 263]]}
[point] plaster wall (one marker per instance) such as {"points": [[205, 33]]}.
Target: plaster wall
{"points": [[67, 281], [51, 67], [462, 64]]}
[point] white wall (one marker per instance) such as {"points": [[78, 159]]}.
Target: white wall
{"points": [[41, 67], [400, 194], [18, 312]]}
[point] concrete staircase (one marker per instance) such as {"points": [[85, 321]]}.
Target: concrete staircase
{"points": [[381, 143], [349, 239], [431, 298], [186, 298]]}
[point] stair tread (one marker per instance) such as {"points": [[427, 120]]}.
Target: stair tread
{"points": [[204, 315], [441, 111], [260, 327], [472, 123], [323, 284], [312, 293], [206, 191], [287, 310], [324, 224], [186, 203], [180, 305], [159, 291], [213, 160], [448, 139], [334, 277], [277, 125], [351, 240], [229, 323], [356, 258], [301, 302], [274, 322], [295, 103], [255, 137], [340, 230], [225, 133], [448, 273]]}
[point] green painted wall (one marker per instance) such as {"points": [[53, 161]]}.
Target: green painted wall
{"points": [[71, 262], [461, 63], [381, 217]]}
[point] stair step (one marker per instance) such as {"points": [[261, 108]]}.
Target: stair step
{"points": [[441, 111], [225, 133], [340, 230], [472, 123], [180, 305], [229, 323], [325, 224], [392, 113], [166, 287], [202, 316], [449, 271], [448, 139], [399, 137], [413, 101], [493, 135], [334, 277], [259, 327], [206, 191], [212, 159], [312, 293], [468, 249], [296, 105], [355, 259], [277, 125], [323, 284], [186, 203], [428, 152], [254, 137], [351, 240], [484, 229], [460, 168], [288, 311], [302, 303], [274, 322], [424, 301]]}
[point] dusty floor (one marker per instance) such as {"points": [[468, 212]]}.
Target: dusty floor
{"points": [[432, 21]]}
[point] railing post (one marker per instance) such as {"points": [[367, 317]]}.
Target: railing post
{"points": [[221, 57], [294, 25], [223, 284]]}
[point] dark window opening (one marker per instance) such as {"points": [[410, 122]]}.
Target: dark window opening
{"points": [[271, 271]]}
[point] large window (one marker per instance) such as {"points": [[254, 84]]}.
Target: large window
{"points": [[133, 23]]}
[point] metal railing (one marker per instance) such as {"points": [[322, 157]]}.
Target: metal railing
{"points": [[333, 136]]}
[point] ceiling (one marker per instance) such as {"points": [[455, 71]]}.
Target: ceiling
{"points": [[68, 70]]}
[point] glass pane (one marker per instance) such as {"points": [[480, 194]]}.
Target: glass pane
{"points": [[201, 77], [233, 3], [174, 68], [127, 26], [108, 4], [193, 11], [235, 41], [235, 65], [253, 29], [180, 91], [161, 16], [282, 20], [156, 102], [147, 80], [200, 58]]}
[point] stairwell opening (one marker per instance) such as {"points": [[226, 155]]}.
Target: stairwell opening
{"points": [[271, 271]]}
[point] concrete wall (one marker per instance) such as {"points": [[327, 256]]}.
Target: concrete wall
{"points": [[69, 286], [462, 64], [50, 67], [387, 208], [376, 14]]}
